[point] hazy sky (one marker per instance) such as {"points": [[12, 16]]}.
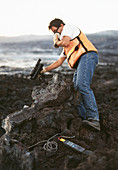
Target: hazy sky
{"points": [[20, 17]]}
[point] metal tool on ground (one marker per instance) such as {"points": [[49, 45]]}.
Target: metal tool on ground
{"points": [[72, 145], [75, 146], [36, 70]]}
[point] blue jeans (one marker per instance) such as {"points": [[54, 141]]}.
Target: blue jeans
{"points": [[87, 107]]}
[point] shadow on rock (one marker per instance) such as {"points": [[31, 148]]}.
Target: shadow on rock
{"points": [[52, 114]]}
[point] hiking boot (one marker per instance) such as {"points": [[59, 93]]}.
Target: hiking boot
{"points": [[92, 123]]}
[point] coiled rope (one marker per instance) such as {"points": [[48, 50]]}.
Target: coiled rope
{"points": [[50, 146]]}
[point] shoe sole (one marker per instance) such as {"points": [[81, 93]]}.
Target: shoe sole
{"points": [[86, 124]]}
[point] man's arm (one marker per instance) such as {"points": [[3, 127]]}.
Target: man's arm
{"points": [[62, 43], [56, 64]]}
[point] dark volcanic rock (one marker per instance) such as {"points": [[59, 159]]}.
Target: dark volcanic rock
{"points": [[53, 113], [54, 94]]}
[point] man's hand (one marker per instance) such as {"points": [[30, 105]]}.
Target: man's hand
{"points": [[55, 40], [42, 71], [55, 43]]}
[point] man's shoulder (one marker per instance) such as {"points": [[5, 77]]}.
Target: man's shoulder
{"points": [[69, 26]]}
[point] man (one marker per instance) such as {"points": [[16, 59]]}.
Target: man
{"points": [[82, 56]]}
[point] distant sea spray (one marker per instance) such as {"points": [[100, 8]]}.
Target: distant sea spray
{"points": [[20, 54]]}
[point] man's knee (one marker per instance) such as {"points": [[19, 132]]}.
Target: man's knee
{"points": [[81, 86]]}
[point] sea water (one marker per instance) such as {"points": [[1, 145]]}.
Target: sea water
{"points": [[20, 56]]}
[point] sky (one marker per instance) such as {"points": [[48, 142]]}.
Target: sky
{"points": [[31, 17]]}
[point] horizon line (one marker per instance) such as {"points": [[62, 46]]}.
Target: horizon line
{"points": [[32, 34]]}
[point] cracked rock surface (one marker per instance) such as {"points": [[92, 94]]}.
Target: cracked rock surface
{"points": [[38, 110]]}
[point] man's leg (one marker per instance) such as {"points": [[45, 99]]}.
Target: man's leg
{"points": [[80, 106], [84, 76]]}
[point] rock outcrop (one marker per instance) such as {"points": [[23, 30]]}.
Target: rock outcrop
{"points": [[52, 114]]}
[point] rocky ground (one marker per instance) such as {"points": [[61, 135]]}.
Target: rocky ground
{"points": [[52, 110]]}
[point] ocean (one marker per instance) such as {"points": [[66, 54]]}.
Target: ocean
{"points": [[18, 55]]}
